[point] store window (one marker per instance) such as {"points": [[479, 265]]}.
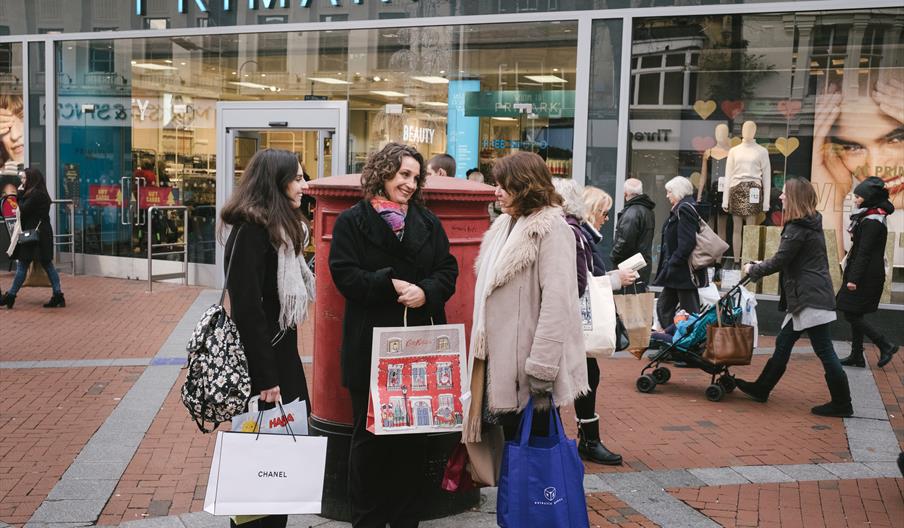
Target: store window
{"points": [[824, 91], [12, 137], [137, 117]]}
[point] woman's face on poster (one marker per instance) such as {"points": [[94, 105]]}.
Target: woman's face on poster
{"points": [[13, 142], [869, 142]]}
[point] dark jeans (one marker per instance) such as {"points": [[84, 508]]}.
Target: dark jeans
{"points": [[669, 301], [860, 328], [821, 341], [385, 473], [22, 271], [585, 406]]}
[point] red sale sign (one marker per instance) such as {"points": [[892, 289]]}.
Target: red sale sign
{"points": [[105, 196]]}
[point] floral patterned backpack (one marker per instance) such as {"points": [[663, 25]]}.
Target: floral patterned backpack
{"points": [[218, 384]]}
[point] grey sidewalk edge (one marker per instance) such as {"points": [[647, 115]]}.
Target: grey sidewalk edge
{"points": [[869, 433], [86, 486]]}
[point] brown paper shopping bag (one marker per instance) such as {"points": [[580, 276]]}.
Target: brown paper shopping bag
{"points": [[636, 313]]}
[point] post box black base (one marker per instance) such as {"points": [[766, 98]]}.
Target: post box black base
{"points": [[437, 503]]}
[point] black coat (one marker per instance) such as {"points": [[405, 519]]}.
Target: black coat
{"points": [[34, 209], [634, 233], [679, 237], [364, 256], [865, 267], [803, 267], [254, 305]]}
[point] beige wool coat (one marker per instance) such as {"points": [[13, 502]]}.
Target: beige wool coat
{"points": [[532, 319]]}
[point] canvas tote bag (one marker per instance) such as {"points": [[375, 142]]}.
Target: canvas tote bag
{"points": [[598, 317]]}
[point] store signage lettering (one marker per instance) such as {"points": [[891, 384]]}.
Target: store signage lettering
{"points": [[112, 111], [228, 5], [413, 134], [659, 135], [501, 144], [544, 103]]}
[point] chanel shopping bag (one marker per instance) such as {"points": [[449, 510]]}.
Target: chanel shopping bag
{"points": [[266, 474]]}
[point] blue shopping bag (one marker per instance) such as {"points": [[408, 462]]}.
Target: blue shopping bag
{"points": [[542, 478]]}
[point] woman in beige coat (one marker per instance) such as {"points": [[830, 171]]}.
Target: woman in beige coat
{"points": [[527, 337]]}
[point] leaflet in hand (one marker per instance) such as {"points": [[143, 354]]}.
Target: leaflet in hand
{"points": [[635, 263]]}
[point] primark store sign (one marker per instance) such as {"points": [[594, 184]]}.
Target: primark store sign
{"points": [[228, 5]]}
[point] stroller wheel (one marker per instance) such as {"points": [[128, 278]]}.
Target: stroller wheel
{"points": [[727, 382], [714, 392], [646, 383], [662, 375]]}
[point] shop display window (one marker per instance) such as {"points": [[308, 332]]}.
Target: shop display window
{"points": [[823, 91]]}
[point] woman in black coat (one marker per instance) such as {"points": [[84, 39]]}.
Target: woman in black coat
{"points": [[34, 213], [864, 274], [388, 254], [679, 237], [806, 296], [268, 280]]}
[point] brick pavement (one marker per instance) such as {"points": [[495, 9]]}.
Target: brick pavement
{"points": [[48, 416], [816, 504], [103, 318], [606, 510]]}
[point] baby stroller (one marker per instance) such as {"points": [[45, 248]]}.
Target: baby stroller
{"points": [[686, 342]]}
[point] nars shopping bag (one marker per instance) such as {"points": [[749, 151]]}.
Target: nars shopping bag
{"points": [[417, 376], [277, 420], [636, 313], [542, 478], [598, 316], [266, 474]]}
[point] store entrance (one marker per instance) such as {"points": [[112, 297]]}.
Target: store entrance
{"points": [[315, 130]]}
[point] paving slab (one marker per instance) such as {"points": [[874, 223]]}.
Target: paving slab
{"points": [[160, 522], [593, 484], [718, 476], [83, 489], [851, 470], [488, 500], [762, 474], [871, 440], [69, 511], [865, 394], [886, 469], [676, 478], [802, 472]]}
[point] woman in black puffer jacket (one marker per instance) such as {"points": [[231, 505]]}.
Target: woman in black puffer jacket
{"points": [[34, 213], [807, 297], [864, 274]]}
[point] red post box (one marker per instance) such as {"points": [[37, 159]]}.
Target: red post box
{"points": [[461, 205]]}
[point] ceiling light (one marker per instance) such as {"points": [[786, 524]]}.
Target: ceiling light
{"points": [[432, 79], [504, 119], [152, 66], [168, 61], [434, 103], [545, 78], [247, 84], [442, 72], [377, 78], [388, 93], [181, 64], [555, 69], [328, 80]]}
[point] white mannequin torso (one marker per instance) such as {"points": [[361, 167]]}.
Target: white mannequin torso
{"points": [[748, 162]]}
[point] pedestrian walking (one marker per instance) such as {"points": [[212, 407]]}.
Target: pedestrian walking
{"points": [[589, 260], [807, 298], [634, 230], [33, 216], [527, 337], [389, 255], [269, 283], [864, 273], [679, 237]]}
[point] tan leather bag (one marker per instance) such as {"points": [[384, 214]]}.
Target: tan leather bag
{"points": [[709, 247], [485, 456], [728, 345]]}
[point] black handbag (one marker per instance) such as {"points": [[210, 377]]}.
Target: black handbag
{"points": [[28, 237]]}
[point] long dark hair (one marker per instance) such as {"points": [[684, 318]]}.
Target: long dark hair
{"points": [[261, 198], [382, 166], [35, 182]]}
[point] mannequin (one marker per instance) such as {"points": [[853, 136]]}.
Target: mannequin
{"points": [[712, 181], [748, 181]]}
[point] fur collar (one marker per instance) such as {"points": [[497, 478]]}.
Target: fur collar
{"points": [[524, 249]]}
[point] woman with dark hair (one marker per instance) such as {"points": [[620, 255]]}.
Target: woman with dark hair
{"points": [[527, 339], [389, 256], [807, 298], [864, 273], [34, 213], [269, 283]]}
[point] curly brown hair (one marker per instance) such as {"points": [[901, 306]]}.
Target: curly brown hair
{"points": [[382, 166], [525, 176]]}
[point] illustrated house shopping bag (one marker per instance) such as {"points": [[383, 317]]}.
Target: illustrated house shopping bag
{"points": [[542, 478], [266, 474], [417, 376]]}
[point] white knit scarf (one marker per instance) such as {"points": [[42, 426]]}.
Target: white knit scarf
{"points": [[295, 285]]}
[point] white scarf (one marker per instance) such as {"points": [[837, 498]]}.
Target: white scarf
{"points": [[295, 285]]}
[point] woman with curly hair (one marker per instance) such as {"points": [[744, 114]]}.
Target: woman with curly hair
{"points": [[389, 255]]}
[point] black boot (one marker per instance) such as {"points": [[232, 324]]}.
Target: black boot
{"points": [[589, 445], [56, 301], [856, 357], [840, 406], [886, 351], [759, 390], [9, 300]]}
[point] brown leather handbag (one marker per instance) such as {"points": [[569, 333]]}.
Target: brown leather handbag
{"points": [[728, 345]]}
